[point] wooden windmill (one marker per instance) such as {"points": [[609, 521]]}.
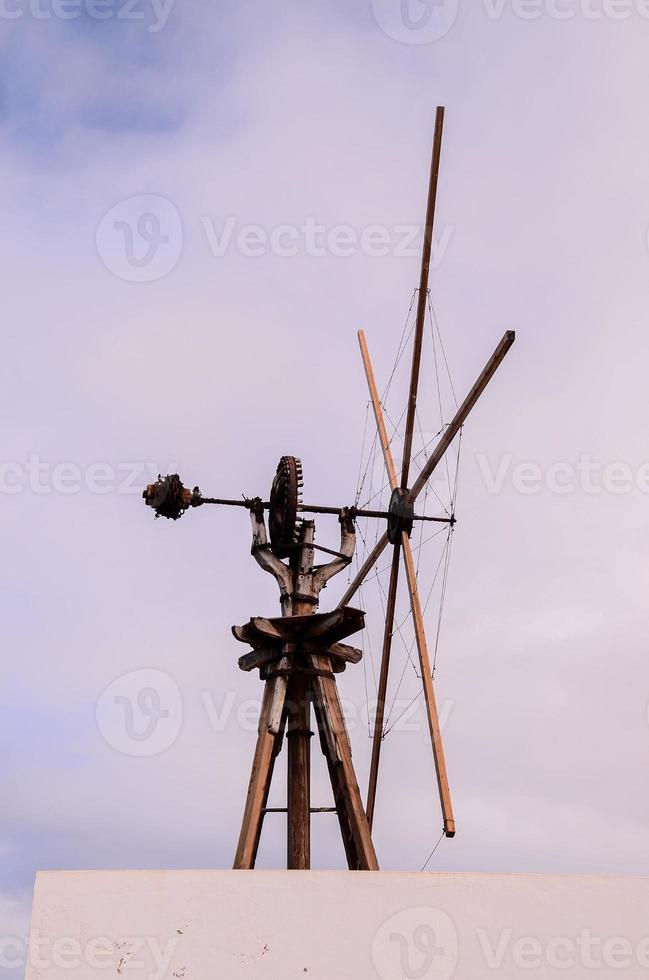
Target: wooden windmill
{"points": [[300, 653]]}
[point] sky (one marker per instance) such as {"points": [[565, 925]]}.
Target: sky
{"points": [[202, 204]]}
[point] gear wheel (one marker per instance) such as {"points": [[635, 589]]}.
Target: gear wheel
{"points": [[285, 498]]}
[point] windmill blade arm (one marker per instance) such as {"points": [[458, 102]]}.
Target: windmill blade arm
{"points": [[429, 692], [423, 295], [462, 413], [364, 570], [380, 546], [378, 411], [383, 686]]}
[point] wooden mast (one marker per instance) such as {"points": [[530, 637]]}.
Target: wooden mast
{"points": [[423, 295]]}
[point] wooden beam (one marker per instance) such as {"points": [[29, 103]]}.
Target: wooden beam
{"points": [[429, 692], [462, 413], [298, 735], [378, 411], [379, 718], [364, 570], [423, 296], [268, 744], [348, 655], [258, 658], [339, 754], [329, 750]]}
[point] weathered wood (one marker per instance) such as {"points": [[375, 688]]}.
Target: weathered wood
{"points": [[267, 628], [326, 695], [392, 588], [277, 707], [330, 751], [298, 736], [350, 655], [245, 634], [258, 658], [429, 692], [340, 653], [301, 628], [378, 411], [377, 738], [364, 570], [260, 779], [308, 642], [422, 297]]}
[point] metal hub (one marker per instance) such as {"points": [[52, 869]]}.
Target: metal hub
{"points": [[401, 515]]}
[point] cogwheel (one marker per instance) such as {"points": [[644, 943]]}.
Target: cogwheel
{"points": [[285, 499]]}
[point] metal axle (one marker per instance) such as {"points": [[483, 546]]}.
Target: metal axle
{"points": [[354, 512]]}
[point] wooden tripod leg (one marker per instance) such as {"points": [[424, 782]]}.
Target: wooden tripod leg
{"points": [[271, 726], [339, 755], [353, 859]]}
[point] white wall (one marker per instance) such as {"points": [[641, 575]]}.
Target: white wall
{"points": [[217, 925]]}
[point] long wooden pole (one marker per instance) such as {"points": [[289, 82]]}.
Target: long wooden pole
{"points": [[420, 633], [462, 413], [423, 296], [379, 717], [447, 438], [392, 589]]}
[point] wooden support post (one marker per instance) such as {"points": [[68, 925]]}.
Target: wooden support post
{"points": [[298, 734], [268, 746], [331, 758], [339, 754]]}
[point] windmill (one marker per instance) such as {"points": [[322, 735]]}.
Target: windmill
{"points": [[299, 654]]}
